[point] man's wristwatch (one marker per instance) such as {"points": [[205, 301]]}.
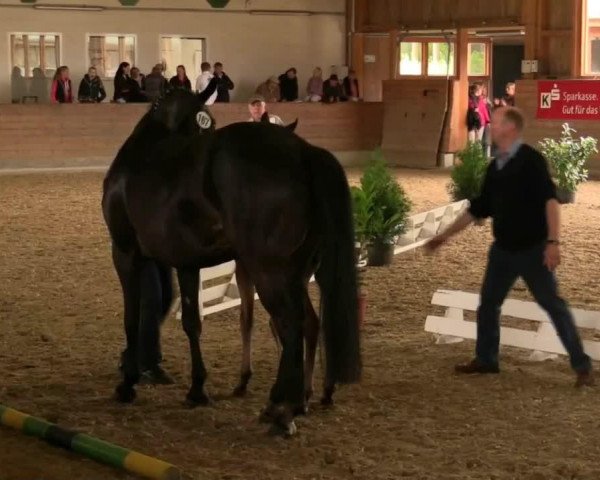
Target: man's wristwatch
{"points": [[553, 242]]}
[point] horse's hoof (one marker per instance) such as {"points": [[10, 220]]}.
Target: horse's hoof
{"points": [[266, 415], [125, 394], [301, 410], [193, 400], [240, 391], [284, 429]]}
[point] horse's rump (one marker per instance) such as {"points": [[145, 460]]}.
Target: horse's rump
{"points": [[260, 183]]}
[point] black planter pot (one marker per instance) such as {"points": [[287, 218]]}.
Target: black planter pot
{"points": [[380, 254], [565, 196]]}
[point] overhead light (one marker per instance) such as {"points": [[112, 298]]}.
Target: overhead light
{"points": [[81, 8], [499, 34], [280, 12]]}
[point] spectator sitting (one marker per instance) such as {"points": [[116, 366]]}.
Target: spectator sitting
{"points": [[17, 83], [224, 84], [288, 83], [269, 90], [351, 91], [314, 89], [154, 83], [61, 90], [91, 89], [122, 83], [39, 87], [203, 80], [332, 90], [258, 107], [138, 77], [181, 80]]}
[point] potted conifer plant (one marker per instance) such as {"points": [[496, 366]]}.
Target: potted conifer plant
{"points": [[381, 209], [467, 176]]}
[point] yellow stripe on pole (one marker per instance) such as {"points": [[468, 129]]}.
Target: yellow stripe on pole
{"points": [[13, 418], [151, 467]]}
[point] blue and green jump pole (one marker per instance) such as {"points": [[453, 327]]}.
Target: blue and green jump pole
{"points": [[88, 446]]}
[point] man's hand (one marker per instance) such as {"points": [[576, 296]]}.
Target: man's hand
{"points": [[436, 242], [552, 256]]}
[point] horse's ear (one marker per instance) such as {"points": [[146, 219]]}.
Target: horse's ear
{"points": [[205, 94], [265, 118], [292, 126]]}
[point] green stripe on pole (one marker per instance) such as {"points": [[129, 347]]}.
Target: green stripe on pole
{"points": [[36, 427], [99, 450]]}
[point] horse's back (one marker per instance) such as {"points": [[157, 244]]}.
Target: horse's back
{"points": [[258, 178]]}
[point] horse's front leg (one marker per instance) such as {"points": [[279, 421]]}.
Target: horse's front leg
{"points": [[189, 283], [127, 265]]}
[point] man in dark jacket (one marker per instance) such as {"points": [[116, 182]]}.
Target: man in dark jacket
{"points": [[224, 83], [518, 193]]}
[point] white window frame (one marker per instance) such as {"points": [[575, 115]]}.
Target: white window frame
{"points": [[194, 36], [10, 53], [108, 34]]}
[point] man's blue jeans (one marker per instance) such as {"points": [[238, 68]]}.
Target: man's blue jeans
{"points": [[503, 269]]}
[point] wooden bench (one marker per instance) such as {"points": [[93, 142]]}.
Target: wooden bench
{"points": [[544, 339]]}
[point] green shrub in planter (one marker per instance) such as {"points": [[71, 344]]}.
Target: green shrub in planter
{"points": [[467, 177], [381, 209], [567, 158]]}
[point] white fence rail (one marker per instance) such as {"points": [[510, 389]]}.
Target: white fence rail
{"points": [[543, 341], [225, 294]]}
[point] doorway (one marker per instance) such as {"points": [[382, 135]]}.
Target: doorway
{"points": [[506, 63], [185, 51]]}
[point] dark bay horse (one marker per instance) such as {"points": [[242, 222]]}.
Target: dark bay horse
{"points": [[191, 196]]}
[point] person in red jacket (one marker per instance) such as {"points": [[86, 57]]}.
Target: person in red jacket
{"points": [[61, 90]]}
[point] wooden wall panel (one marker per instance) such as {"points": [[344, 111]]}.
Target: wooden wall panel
{"points": [[389, 14], [85, 135], [413, 118], [374, 73], [553, 33]]}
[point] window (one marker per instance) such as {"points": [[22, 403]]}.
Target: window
{"points": [[440, 59], [106, 52], [34, 54], [426, 57], [411, 58], [188, 52], [478, 59], [591, 38]]}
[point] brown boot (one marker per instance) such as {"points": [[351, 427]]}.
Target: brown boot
{"points": [[584, 379], [475, 366]]}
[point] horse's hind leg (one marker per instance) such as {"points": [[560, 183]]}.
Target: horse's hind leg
{"points": [[311, 335], [284, 301], [246, 289], [128, 270], [189, 282]]}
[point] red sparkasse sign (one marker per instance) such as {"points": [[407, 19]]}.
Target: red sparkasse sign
{"points": [[568, 100]]}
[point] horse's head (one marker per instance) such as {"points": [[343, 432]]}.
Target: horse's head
{"points": [[185, 112]]}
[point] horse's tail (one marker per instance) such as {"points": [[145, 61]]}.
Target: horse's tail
{"points": [[336, 273]]}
